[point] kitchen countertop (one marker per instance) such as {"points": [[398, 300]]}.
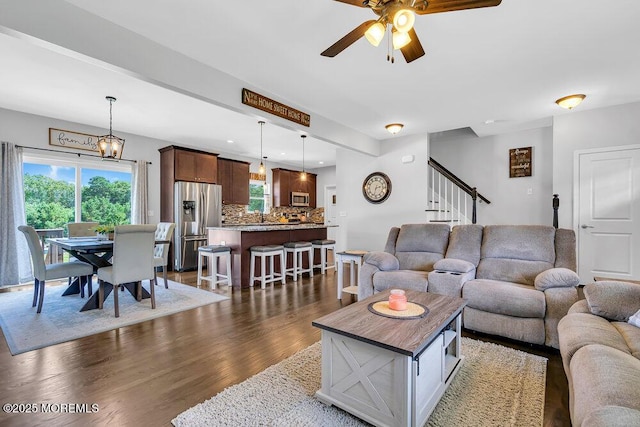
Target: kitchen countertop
{"points": [[269, 226]]}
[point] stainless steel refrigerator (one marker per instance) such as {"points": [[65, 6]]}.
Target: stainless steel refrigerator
{"points": [[196, 207]]}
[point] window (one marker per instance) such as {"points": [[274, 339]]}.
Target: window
{"points": [[59, 191], [257, 197]]}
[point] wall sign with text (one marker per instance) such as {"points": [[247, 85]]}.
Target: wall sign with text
{"points": [[520, 162], [75, 140], [274, 107]]}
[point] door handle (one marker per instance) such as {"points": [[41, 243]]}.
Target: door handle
{"points": [[587, 226]]}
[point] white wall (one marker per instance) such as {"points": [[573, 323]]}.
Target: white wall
{"points": [[581, 130], [484, 163], [365, 225], [326, 176]]}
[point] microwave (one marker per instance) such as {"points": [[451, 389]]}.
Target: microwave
{"points": [[300, 199]]}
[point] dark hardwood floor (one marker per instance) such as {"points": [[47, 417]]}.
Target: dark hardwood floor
{"points": [[146, 374]]}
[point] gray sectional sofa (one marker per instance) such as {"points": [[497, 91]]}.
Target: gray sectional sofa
{"points": [[518, 280], [601, 356]]}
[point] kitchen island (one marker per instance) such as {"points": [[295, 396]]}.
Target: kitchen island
{"points": [[241, 237]]}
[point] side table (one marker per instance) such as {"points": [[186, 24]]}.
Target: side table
{"points": [[352, 257]]}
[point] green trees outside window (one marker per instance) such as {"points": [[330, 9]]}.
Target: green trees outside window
{"points": [[50, 196], [256, 197]]}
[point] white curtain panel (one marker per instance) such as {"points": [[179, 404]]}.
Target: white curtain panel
{"points": [[140, 193], [15, 259]]}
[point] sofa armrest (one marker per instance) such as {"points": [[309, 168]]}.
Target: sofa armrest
{"points": [[556, 278], [613, 300], [454, 265], [382, 260]]}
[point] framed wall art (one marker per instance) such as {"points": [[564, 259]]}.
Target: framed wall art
{"points": [[520, 162]]}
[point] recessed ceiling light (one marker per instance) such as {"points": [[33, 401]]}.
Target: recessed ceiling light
{"points": [[488, 122], [230, 141], [321, 163], [283, 153]]}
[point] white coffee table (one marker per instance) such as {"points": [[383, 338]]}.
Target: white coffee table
{"points": [[390, 372]]}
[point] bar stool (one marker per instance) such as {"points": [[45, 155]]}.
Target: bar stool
{"points": [[264, 252], [297, 249], [212, 253], [324, 246]]}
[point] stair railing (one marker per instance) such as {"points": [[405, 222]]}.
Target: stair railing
{"points": [[450, 196]]}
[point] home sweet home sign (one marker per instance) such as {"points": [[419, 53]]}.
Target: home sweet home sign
{"points": [[274, 107]]}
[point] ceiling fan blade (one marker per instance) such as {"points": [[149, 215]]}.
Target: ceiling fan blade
{"points": [[414, 49], [347, 40], [438, 6], [358, 3]]}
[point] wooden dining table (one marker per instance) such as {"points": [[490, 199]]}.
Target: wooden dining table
{"points": [[98, 253]]}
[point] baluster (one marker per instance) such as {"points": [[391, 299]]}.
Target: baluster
{"points": [[474, 197]]}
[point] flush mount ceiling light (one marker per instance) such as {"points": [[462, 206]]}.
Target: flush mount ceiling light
{"points": [[571, 101], [261, 167], [303, 174], [394, 128], [110, 146]]}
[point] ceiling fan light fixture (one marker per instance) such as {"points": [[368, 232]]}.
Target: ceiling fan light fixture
{"points": [[403, 20], [375, 33], [394, 128], [571, 101], [400, 39]]}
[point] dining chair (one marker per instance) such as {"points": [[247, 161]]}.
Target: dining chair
{"points": [[43, 272], [133, 261], [164, 231], [82, 229]]}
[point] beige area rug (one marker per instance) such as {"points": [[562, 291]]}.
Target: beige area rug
{"points": [[496, 386], [61, 319]]}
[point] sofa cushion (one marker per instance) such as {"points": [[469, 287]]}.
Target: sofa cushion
{"points": [[504, 256], [527, 329], [613, 300], [556, 277], [612, 416], [382, 260], [580, 329], [454, 265], [419, 246], [464, 243], [401, 279], [631, 335], [506, 298], [603, 376]]}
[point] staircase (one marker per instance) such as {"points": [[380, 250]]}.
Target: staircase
{"points": [[451, 200]]}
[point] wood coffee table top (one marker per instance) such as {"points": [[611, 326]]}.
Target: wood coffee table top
{"points": [[404, 336]]}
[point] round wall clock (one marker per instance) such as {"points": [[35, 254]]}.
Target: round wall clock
{"points": [[376, 187]]}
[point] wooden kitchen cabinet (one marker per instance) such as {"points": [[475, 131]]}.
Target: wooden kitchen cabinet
{"points": [[234, 177], [196, 166], [286, 181]]}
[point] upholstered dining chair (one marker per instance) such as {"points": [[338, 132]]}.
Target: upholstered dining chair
{"points": [[43, 272], [82, 229], [164, 231], [132, 262]]}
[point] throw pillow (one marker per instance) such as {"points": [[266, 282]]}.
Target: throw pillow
{"points": [[635, 319], [453, 265], [556, 277], [613, 300]]}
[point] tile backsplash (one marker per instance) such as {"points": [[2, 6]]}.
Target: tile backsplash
{"points": [[237, 214]]}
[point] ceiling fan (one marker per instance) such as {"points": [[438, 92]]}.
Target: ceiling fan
{"points": [[400, 14]]}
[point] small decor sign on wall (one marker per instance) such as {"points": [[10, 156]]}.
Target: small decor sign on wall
{"points": [[520, 162], [75, 140], [274, 107]]}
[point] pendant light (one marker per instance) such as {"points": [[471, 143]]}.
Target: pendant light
{"points": [[303, 174], [110, 146], [261, 169]]}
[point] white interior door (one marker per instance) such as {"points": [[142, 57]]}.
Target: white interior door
{"points": [[608, 211], [330, 210]]}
